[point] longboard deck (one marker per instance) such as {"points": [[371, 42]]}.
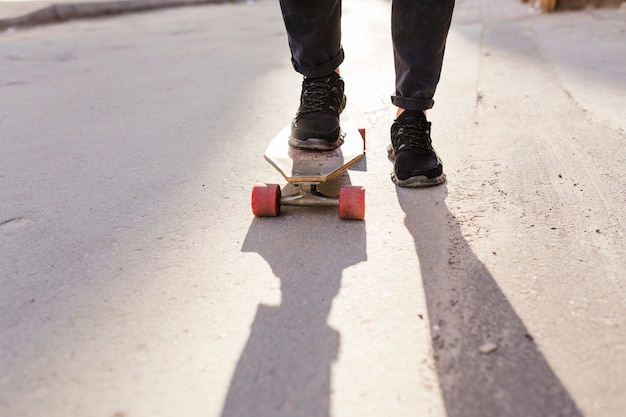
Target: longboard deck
{"points": [[301, 165]]}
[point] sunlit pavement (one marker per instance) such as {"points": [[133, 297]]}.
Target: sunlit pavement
{"points": [[136, 282]]}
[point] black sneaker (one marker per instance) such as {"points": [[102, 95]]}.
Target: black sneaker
{"points": [[316, 125], [415, 162]]}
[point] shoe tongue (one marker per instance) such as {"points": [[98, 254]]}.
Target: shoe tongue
{"points": [[412, 117]]}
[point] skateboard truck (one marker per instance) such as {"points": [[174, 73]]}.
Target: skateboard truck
{"points": [[308, 196]]}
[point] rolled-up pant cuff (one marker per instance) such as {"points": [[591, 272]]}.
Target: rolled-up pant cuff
{"points": [[408, 103], [320, 70]]}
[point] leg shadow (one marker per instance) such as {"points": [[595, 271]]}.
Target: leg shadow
{"points": [[467, 310], [285, 367]]}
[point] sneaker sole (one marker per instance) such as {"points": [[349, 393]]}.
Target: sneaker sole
{"points": [[419, 181], [316, 144]]}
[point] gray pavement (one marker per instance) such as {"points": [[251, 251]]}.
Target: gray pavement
{"points": [[23, 13], [136, 282]]}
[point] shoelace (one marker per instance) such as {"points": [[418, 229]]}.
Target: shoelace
{"points": [[411, 136], [315, 96]]}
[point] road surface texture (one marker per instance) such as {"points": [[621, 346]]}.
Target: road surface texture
{"points": [[136, 282]]}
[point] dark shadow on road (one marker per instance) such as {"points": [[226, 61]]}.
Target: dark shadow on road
{"points": [[285, 367], [467, 310]]}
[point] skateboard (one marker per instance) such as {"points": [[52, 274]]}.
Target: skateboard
{"points": [[305, 170]]}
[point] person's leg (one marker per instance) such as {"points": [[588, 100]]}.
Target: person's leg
{"points": [[314, 34], [419, 32]]}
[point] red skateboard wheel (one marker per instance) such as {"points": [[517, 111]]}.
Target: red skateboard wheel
{"points": [[266, 200], [352, 202]]}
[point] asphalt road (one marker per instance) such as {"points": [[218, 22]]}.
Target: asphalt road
{"points": [[136, 282]]}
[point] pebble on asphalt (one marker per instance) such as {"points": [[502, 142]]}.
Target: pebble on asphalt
{"points": [[488, 348]]}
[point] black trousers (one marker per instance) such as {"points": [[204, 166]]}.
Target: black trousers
{"points": [[419, 30]]}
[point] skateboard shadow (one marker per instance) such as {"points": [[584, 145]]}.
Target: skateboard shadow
{"points": [[285, 367], [467, 309]]}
